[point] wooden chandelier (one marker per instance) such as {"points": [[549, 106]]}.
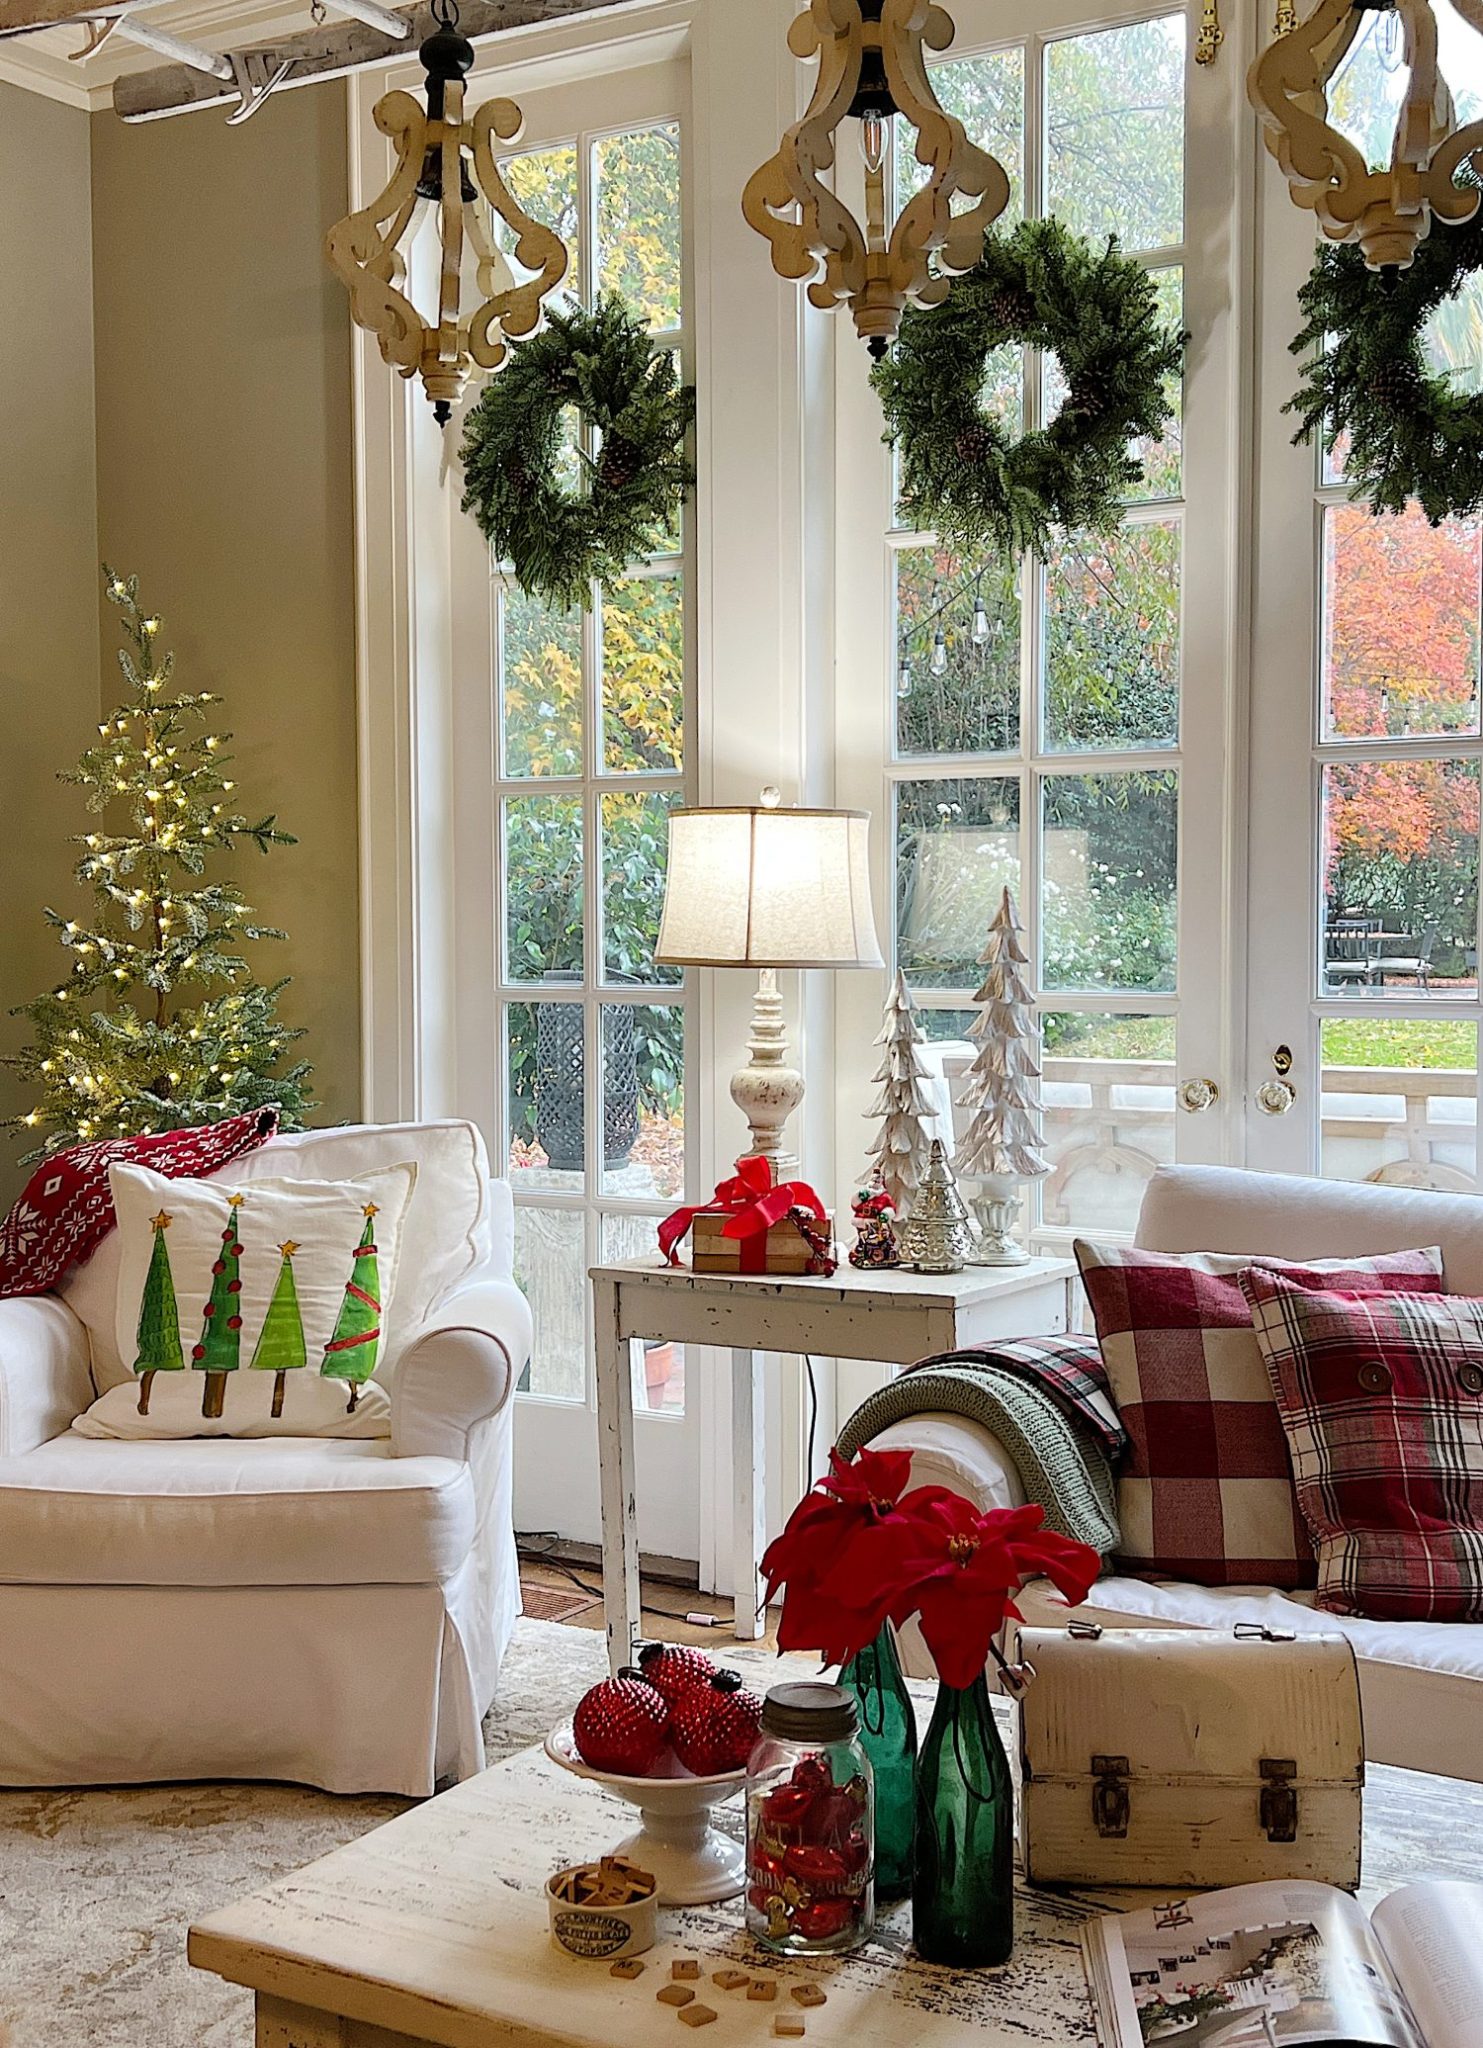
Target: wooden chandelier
{"points": [[444, 162], [872, 64], [1387, 212]]}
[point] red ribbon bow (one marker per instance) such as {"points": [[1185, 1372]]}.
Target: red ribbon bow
{"points": [[751, 1205]]}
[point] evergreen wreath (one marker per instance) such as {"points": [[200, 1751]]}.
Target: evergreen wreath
{"points": [[1411, 436], [962, 477], [560, 541]]}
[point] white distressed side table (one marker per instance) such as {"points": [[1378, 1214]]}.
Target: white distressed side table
{"points": [[888, 1318]]}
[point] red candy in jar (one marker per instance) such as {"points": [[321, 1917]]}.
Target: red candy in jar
{"points": [[810, 1824]]}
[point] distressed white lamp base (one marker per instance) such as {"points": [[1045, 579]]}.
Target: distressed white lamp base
{"points": [[677, 1839], [996, 1204], [769, 1088]]}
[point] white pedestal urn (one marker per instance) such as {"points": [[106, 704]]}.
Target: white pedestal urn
{"points": [[995, 1200], [677, 1840]]}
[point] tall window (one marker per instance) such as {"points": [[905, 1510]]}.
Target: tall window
{"points": [[1397, 759], [1038, 708], [592, 756]]}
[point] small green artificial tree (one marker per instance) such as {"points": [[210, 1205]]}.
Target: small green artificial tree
{"points": [[159, 1317], [220, 1349], [350, 1355], [280, 1347], [159, 1025]]}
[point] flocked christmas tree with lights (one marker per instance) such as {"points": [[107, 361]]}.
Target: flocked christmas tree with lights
{"points": [[902, 1144], [159, 1023]]}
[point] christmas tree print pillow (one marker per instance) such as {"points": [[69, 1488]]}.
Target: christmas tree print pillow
{"points": [[253, 1311]]}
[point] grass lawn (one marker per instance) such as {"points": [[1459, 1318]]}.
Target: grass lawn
{"points": [[1430, 1043], [1449, 1042]]}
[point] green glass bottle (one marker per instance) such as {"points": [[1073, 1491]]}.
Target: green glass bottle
{"points": [[963, 1889], [888, 1735]]}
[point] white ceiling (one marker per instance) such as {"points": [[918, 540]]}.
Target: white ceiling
{"points": [[43, 62]]}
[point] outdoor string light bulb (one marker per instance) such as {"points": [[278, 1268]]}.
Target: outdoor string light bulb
{"points": [[1387, 212], [445, 169], [872, 64]]}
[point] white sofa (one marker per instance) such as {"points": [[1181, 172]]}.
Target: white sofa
{"points": [[325, 1611], [1422, 1682]]}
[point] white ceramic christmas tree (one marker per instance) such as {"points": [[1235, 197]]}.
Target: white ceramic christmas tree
{"points": [[903, 1143], [1001, 1146]]}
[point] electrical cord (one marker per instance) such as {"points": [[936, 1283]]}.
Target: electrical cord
{"points": [[813, 1416], [525, 1547]]}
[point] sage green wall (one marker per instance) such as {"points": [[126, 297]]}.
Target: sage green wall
{"points": [[225, 482], [48, 540]]}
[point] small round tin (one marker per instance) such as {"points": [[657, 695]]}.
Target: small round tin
{"points": [[588, 1921]]}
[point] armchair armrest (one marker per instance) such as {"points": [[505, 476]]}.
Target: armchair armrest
{"points": [[45, 1380], [460, 1368]]}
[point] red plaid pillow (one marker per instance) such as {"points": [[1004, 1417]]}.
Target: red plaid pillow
{"points": [[1382, 1402], [1207, 1490]]}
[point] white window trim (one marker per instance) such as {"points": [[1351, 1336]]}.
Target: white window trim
{"points": [[424, 781]]}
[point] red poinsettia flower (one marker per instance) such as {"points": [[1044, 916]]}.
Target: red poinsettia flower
{"points": [[831, 1605], [967, 1566]]}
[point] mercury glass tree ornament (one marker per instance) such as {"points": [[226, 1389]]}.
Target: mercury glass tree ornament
{"points": [[937, 1236], [872, 57], [1386, 211], [446, 172]]}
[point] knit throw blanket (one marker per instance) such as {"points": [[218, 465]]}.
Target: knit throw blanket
{"points": [[1061, 1443]]}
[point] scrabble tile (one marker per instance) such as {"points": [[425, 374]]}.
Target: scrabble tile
{"points": [[630, 1967], [731, 1980], [685, 1970], [763, 1988], [809, 1994], [789, 2025], [696, 2016], [674, 1994]]}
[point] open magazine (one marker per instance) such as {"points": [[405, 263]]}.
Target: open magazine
{"points": [[1264, 1964]]}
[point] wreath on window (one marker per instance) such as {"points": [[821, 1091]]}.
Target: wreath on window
{"points": [[1411, 435], [627, 494], [962, 476]]}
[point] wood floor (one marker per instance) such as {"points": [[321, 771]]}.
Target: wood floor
{"points": [[551, 1595]]}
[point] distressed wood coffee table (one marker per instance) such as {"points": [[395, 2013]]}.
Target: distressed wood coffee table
{"points": [[432, 1929]]}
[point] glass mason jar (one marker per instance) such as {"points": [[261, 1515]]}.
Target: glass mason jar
{"points": [[810, 1824], [888, 1735]]}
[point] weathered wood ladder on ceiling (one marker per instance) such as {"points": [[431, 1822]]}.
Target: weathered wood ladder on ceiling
{"points": [[243, 78]]}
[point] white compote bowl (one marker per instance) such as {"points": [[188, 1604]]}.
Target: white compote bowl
{"points": [[676, 1838]]}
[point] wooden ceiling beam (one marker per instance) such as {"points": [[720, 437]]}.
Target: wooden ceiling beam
{"points": [[339, 46]]}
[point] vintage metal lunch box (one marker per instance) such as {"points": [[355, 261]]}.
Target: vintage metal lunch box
{"points": [[1177, 1757]]}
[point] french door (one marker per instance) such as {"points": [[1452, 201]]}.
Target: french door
{"points": [[592, 738], [1366, 754], [1066, 726]]}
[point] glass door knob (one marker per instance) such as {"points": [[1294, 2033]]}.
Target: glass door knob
{"points": [[1197, 1095], [1276, 1098]]}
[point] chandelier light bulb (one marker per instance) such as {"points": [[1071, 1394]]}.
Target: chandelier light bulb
{"points": [[873, 143]]}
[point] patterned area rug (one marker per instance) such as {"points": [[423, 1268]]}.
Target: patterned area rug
{"points": [[97, 1889]]}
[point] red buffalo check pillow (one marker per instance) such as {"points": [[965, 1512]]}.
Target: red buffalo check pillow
{"points": [[1206, 1493], [1382, 1402]]}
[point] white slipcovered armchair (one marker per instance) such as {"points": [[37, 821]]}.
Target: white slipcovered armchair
{"points": [[327, 1611]]}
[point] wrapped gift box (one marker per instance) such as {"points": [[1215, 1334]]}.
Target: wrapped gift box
{"points": [[782, 1249]]}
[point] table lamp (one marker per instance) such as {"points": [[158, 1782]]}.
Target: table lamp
{"points": [[768, 887]]}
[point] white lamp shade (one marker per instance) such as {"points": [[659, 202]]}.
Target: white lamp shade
{"points": [[769, 888]]}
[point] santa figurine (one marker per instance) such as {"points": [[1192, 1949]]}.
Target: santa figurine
{"points": [[875, 1243]]}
